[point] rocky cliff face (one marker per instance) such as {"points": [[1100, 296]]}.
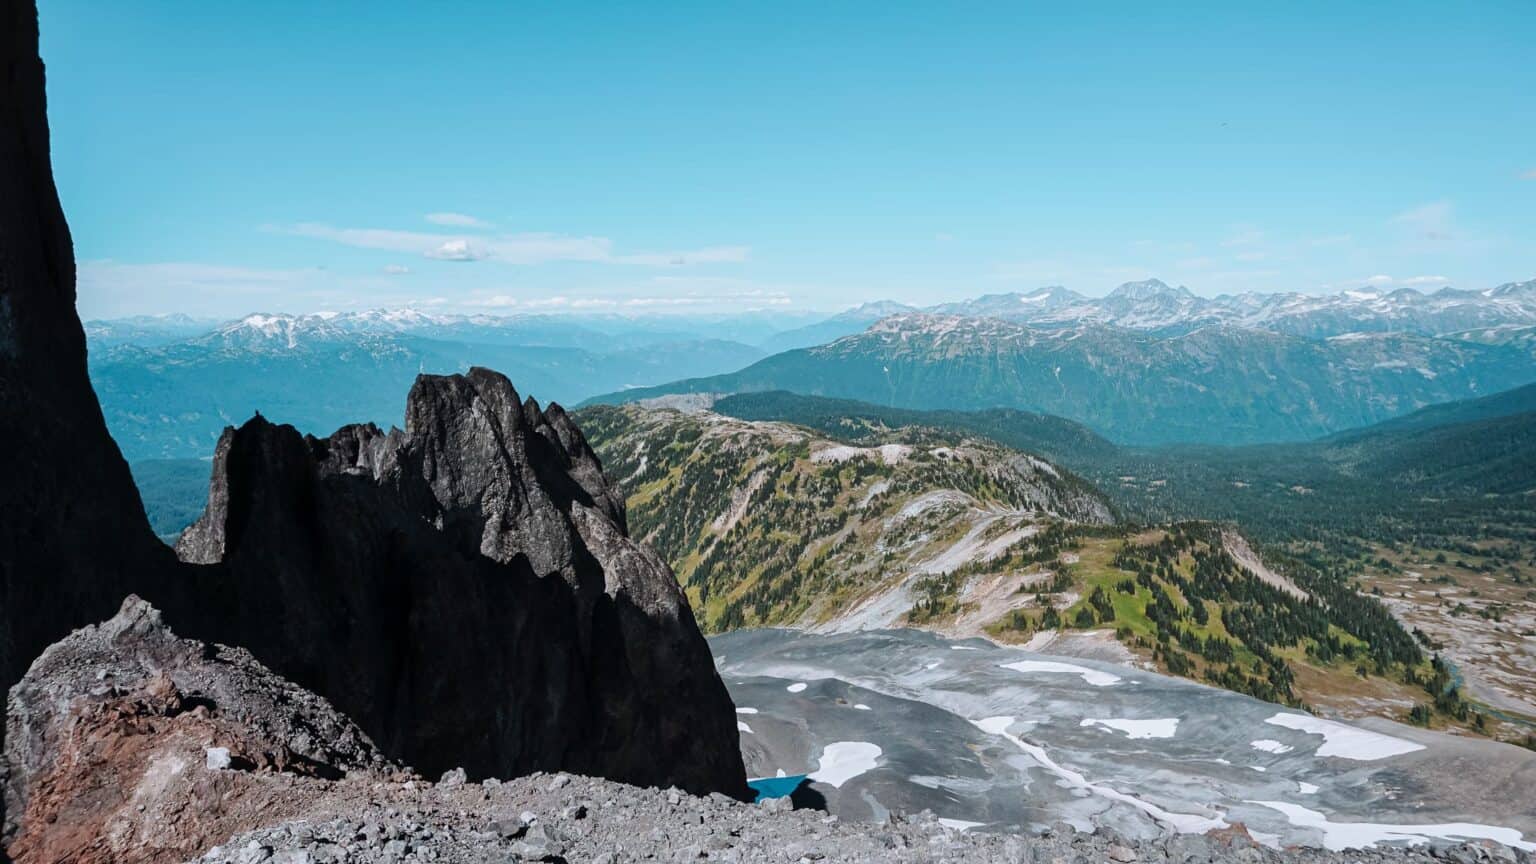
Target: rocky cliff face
{"points": [[479, 561], [73, 537], [465, 590]]}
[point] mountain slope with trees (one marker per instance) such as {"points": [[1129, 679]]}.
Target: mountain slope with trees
{"points": [[1218, 385]]}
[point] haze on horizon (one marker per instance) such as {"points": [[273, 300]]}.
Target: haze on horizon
{"points": [[218, 160]]}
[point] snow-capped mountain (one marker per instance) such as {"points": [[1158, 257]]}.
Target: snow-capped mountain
{"points": [[171, 397], [1155, 306]]}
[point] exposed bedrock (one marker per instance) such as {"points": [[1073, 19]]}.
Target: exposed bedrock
{"points": [[465, 590], [127, 743]]}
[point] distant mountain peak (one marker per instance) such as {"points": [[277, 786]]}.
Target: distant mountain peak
{"points": [[876, 309], [1148, 289], [1511, 290]]}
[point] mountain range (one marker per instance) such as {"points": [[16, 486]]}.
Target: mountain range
{"points": [[1155, 306], [1217, 384], [167, 395], [1230, 369]]}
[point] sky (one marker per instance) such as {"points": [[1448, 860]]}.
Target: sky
{"points": [[218, 159]]}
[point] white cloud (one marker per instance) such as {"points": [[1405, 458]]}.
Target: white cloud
{"points": [[525, 248], [1426, 280], [1379, 280], [396, 269], [457, 249], [456, 220]]}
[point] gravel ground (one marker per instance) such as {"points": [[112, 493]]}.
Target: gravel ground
{"points": [[565, 818]]}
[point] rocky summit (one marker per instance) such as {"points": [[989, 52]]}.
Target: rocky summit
{"points": [[497, 615]]}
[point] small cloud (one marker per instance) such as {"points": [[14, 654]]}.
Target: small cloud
{"points": [[396, 269], [1529, 175], [456, 250], [457, 220], [1426, 280], [1379, 280]]}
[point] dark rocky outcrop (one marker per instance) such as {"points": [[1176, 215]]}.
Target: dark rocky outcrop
{"points": [[479, 561], [126, 743], [518, 628], [73, 536]]}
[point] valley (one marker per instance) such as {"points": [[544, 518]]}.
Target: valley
{"points": [[994, 738], [876, 532]]}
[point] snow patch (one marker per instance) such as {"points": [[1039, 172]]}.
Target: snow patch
{"points": [[1091, 676], [1164, 727], [1270, 745], [842, 761], [797, 687], [1338, 836], [890, 454], [1346, 742]]}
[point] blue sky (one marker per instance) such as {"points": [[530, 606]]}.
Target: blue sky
{"points": [[224, 158]]}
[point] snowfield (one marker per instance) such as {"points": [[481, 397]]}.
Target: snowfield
{"points": [[1346, 742], [999, 736], [1092, 676]]}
